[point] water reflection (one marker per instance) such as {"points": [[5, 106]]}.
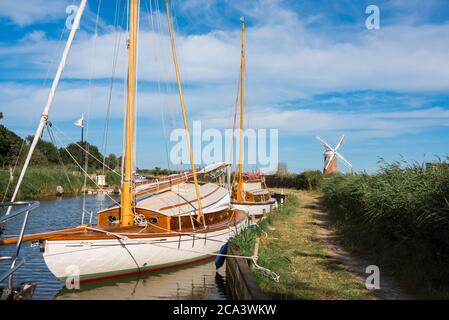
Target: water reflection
{"points": [[197, 282]]}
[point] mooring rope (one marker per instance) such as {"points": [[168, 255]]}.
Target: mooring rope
{"points": [[265, 271]]}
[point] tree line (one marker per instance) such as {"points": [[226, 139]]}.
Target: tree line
{"points": [[46, 153]]}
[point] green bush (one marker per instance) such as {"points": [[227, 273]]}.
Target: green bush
{"points": [[307, 180], [113, 179]]}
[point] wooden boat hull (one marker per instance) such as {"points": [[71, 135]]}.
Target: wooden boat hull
{"points": [[99, 259], [256, 209]]}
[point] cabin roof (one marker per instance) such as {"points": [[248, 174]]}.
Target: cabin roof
{"points": [[181, 199]]}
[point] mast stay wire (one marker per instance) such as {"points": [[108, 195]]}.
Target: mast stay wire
{"points": [[53, 140], [125, 76], [168, 99], [152, 23], [57, 49], [117, 40], [44, 82], [175, 123], [237, 99], [236, 111], [89, 108], [82, 169], [13, 170], [136, 103], [248, 116], [82, 148]]}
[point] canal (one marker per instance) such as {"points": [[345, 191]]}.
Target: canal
{"points": [[199, 281]]}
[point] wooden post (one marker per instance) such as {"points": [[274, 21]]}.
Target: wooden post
{"points": [[256, 247]]}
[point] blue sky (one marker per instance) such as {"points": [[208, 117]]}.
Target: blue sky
{"points": [[312, 69]]}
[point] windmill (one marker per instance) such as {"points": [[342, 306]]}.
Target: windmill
{"points": [[331, 154]]}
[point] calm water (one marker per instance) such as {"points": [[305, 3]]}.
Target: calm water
{"points": [[199, 281]]}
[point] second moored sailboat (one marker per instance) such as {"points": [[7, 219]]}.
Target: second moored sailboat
{"points": [[250, 193]]}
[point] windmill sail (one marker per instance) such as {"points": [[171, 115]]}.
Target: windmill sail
{"points": [[331, 155]]}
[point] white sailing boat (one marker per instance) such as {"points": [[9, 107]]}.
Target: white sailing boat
{"points": [[156, 225]]}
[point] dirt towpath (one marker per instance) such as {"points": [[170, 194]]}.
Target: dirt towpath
{"points": [[389, 289]]}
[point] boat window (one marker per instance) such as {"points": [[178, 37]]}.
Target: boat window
{"points": [[152, 220]]}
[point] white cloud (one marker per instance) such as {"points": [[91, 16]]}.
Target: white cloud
{"points": [[283, 56], [285, 61], [26, 12], [23, 104], [312, 122]]}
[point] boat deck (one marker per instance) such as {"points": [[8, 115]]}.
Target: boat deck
{"points": [[94, 232]]}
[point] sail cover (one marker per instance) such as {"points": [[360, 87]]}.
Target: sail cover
{"points": [[181, 200]]}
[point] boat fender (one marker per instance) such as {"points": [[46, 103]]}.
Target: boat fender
{"points": [[59, 190], [252, 225], [219, 260]]}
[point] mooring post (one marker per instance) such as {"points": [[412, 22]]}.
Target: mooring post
{"points": [[256, 248]]}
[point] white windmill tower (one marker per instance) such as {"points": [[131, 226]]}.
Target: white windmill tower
{"points": [[331, 154]]}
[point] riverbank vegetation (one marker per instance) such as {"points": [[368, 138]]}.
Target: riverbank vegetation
{"points": [[13, 150], [307, 180], [51, 167], [399, 218], [292, 249]]}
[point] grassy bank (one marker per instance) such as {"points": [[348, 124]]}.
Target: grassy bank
{"points": [[40, 182], [399, 218], [294, 251]]}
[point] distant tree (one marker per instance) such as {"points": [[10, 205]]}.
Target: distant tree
{"points": [[38, 159], [119, 163], [79, 155], [111, 161], [1, 115], [10, 144], [46, 148]]}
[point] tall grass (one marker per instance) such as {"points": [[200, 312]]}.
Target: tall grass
{"points": [[41, 182], [247, 237], [272, 257], [400, 217]]}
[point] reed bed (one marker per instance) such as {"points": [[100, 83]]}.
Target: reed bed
{"points": [[399, 217], [41, 182]]}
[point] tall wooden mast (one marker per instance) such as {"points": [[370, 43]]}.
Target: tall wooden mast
{"points": [[126, 213], [242, 109]]}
